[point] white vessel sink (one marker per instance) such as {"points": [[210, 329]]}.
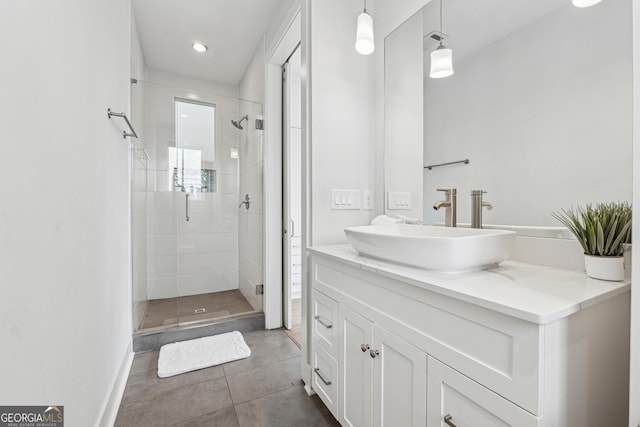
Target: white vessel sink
{"points": [[437, 248]]}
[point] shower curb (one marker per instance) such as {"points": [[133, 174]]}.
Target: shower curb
{"points": [[155, 340]]}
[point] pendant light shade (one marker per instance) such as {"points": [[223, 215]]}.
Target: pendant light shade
{"points": [[584, 3], [441, 62], [364, 33], [441, 58]]}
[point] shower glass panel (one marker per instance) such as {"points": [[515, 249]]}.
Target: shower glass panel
{"points": [[190, 266]]}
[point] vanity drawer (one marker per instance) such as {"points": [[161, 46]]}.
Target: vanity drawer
{"points": [[325, 377], [463, 402], [325, 322]]}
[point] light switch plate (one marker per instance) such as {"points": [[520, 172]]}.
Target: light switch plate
{"points": [[345, 199], [399, 200]]}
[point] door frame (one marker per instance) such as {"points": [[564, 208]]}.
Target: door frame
{"points": [[285, 41]]}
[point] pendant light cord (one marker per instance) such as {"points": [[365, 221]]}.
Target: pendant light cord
{"points": [[441, 33], [365, 6]]}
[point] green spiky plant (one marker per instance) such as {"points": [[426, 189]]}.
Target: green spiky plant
{"points": [[602, 230]]}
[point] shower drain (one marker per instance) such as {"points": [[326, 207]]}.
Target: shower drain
{"points": [[199, 310]]}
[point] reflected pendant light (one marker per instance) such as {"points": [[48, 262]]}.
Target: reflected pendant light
{"points": [[364, 33], [584, 3], [441, 58]]}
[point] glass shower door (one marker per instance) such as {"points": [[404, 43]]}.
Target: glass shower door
{"points": [[197, 236]]}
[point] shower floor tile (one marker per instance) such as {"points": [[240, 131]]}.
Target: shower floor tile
{"points": [[194, 308]]}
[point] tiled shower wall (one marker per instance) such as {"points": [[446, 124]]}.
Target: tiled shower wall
{"points": [[196, 256]]}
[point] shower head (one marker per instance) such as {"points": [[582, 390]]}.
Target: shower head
{"points": [[238, 124]]}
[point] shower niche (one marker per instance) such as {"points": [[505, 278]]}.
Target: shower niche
{"points": [[197, 257]]}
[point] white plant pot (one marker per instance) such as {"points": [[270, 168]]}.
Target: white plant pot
{"points": [[604, 267]]}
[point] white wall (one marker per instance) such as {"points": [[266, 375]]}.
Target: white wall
{"points": [[65, 304], [545, 127], [341, 91], [250, 223]]}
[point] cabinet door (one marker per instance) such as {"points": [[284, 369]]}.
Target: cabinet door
{"points": [[465, 403], [355, 369], [399, 381]]}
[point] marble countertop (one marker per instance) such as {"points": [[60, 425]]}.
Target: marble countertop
{"points": [[530, 292]]}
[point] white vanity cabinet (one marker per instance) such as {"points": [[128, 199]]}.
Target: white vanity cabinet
{"points": [[382, 380], [401, 347]]}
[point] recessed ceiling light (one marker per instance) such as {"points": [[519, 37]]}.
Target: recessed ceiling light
{"points": [[199, 47]]}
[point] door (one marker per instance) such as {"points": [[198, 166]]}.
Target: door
{"points": [[399, 381], [292, 190], [355, 377]]}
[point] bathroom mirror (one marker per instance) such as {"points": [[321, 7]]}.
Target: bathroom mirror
{"points": [[540, 104]]}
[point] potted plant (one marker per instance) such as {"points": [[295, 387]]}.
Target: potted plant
{"points": [[602, 230]]}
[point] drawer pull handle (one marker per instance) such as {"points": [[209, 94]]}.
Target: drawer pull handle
{"points": [[364, 347], [374, 353], [317, 371], [326, 325], [447, 420]]}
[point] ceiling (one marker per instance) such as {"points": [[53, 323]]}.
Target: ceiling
{"points": [[231, 29], [472, 25]]}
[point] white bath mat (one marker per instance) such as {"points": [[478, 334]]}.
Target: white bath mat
{"points": [[186, 356]]}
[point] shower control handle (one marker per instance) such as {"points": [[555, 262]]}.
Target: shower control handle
{"points": [[188, 206], [246, 202]]}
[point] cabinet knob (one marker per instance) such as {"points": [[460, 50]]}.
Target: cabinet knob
{"points": [[364, 347], [447, 420], [374, 353]]}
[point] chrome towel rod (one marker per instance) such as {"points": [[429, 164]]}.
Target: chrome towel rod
{"points": [[124, 116], [465, 161]]}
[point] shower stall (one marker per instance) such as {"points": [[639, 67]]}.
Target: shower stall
{"points": [[196, 245]]}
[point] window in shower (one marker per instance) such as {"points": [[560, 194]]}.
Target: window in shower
{"points": [[191, 160]]}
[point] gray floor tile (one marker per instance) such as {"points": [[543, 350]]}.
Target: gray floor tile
{"points": [[258, 382], [222, 418], [267, 347], [266, 384], [176, 405], [144, 362], [288, 408], [146, 386]]}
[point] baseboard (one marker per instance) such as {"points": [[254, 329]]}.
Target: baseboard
{"points": [[107, 417]]}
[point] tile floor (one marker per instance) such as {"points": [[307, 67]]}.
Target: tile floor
{"points": [[263, 390], [182, 310]]}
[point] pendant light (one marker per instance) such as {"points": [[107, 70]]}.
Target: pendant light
{"points": [[364, 33], [584, 3], [441, 58]]}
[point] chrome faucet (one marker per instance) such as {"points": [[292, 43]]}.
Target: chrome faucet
{"points": [[449, 203], [476, 208]]}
